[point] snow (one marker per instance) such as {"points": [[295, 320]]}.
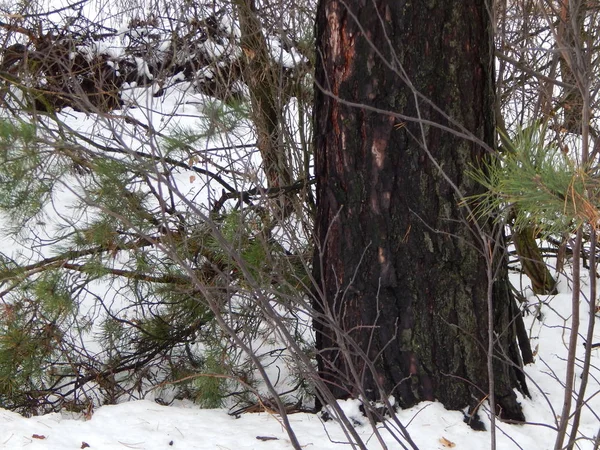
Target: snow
{"points": [[142, 67], [288, 58], [146, 425]]}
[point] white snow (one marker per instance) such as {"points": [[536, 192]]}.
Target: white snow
{"points": [[288, 58]]}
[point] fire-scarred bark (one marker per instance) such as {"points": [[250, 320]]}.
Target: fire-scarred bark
{"points": [[399, 265]]}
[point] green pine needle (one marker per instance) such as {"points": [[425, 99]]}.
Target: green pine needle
{"points": [[547, 188]]}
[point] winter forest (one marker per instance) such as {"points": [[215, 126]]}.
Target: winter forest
{"points": [[290, 224]]}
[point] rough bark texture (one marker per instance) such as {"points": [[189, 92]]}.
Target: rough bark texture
{"points": [[532, 261], [400, 270], [570, 29], [260, 75]]}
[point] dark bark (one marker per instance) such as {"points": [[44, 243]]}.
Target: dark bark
{"points": [[532, 261], [399, 267], [570, 29], [260, 74]]}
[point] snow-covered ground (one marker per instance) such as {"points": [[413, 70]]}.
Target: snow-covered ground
{"points": [[148, 425]]}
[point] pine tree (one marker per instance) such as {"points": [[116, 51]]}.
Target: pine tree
{"points": [[133, 234]]}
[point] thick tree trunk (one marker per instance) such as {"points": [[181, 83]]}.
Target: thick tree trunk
{"points": [[400, 268]]}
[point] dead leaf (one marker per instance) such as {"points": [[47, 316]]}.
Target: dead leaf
{"points": [[192, 178], [267, 438], [446, 443], [38, 436], [84, 445]]}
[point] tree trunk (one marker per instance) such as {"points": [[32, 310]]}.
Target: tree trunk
{"points": [[399, 266], [570, 29], [532, 262], [264, 85]]}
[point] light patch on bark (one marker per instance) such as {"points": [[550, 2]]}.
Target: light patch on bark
{"points": [[414, 367], [386, 199], [375, 203], [382, 258], [378, 151], [334, 29], [428, 242], [341, 41], [370, 63]]}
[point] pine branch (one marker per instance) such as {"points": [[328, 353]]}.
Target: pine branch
{"points": [[60, 260]]}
